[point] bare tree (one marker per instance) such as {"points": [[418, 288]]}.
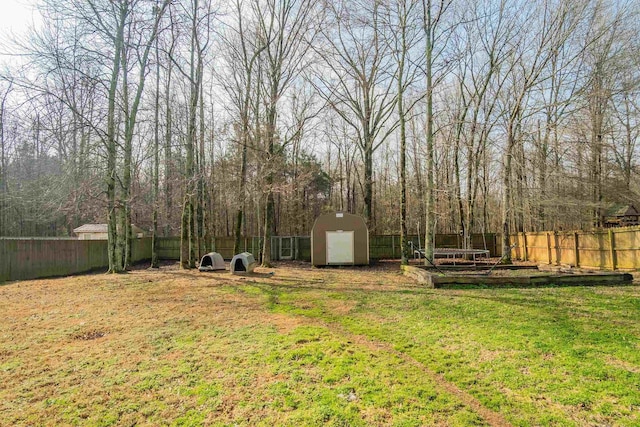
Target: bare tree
{"points": [[156, 160], [244, 49], [627, 112], [357, 80], [527, 64], [199, 16], [285, 26], [479, 82], [402, 21], [126, 29], [3, 160], [430, 26], [607, 45], [131, 105]]}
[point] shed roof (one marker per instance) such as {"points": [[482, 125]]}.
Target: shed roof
{"points": [[102, 228], [620, 210], [91, 228]]}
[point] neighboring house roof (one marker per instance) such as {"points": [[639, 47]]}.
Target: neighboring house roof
{"points": [[619, 210], [102, 228], [91, 228]]}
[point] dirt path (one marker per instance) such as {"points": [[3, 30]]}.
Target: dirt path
{"points": [[492, 417]]}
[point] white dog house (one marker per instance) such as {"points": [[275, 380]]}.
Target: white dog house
{"points": [[242, 263], [211, 262]]}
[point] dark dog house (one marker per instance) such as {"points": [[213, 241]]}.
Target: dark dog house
{"points": [[242, 263], [339, 239], [211, 262]]}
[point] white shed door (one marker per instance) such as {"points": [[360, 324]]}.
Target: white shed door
{"points": [[339, 247]]}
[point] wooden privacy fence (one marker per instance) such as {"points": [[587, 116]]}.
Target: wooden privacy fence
{"points": [[169, 247], [613, 248], [31, 258], [608, 249], [299, 247], [388, 246]]}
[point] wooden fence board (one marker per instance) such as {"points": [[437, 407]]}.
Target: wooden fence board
{"points": [[380, 246], [603, 249], [30, 258]]}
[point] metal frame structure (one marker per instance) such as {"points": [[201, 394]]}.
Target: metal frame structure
{"points": [[452, 253]]}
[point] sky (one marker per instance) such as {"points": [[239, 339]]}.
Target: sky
{"points": [[16, 16]]}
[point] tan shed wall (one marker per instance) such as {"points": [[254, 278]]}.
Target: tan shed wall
{"points": [[93, 236], [348, 222]]}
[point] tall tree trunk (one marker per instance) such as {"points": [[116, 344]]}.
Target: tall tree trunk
{"points": [[3, 166], [244, 137], [629, 145], [506, 195], [131, 113], [124, 236], [269, 222], [184, 233], [168, 174], [543, 153], [188, 224], [429, 233], [112, 234], [598, 107], [242, 191], [520, 185], [156, 164], [202, 193], [417, 171], [368, 183], [405, 252]]}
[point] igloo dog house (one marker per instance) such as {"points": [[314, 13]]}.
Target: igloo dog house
{"points": [[211, 262], [242, 263], [339, 238]]}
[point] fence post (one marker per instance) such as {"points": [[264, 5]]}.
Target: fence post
{"points": [[612, 251], [393, 246], [524, 244], [275, 244], [495, 245], [576, 248], [549, 247]]}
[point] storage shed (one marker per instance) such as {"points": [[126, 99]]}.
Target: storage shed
{"points": [[339, 238], [211, 262], [100, 232], [242, 263], [619, 215]]}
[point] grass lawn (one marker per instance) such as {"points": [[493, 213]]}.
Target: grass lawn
{"points": [[342, 347]]}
